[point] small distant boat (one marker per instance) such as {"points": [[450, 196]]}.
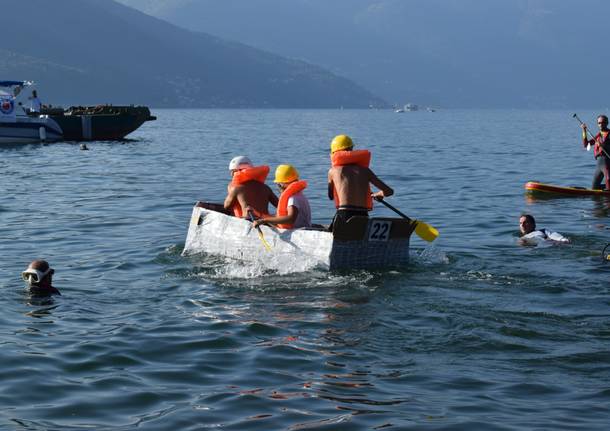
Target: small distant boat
{"points": [[362, 242], [18, 128], [537, 188], [429, 109], [399, 110], [410, 107]]}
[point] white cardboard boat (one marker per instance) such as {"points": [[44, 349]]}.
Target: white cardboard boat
{"points": [[361, 243]]}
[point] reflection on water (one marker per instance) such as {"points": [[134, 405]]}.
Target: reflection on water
{"points": [[41, 312]]}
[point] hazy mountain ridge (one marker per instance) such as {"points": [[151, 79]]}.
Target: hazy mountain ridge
{"points": [[470, 53], [98, 51]]}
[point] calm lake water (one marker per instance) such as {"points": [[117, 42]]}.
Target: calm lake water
{"points": [[478, 333]]}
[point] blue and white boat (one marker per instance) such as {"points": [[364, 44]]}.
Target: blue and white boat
{"points": [[18, 127]]}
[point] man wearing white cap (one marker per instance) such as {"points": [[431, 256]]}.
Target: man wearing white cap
{"points": [[247, 189]]}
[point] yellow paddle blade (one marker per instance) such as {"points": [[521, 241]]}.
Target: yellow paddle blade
{"points": [[265, 243], [425, 231]]}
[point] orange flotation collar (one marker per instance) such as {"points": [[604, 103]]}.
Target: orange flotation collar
{"points": [[354, 157], [256, 173], [282, 206]]}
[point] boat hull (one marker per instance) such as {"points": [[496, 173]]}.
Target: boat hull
{"points": [[362, 243], [99, 123], [550, 190], [25, 130]]}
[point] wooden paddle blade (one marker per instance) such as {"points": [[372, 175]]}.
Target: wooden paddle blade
{"points": [[425, 231]]}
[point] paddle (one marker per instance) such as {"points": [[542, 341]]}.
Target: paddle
{"points": [[423, 230], [606, 253], [590, 134], [260, 232]]}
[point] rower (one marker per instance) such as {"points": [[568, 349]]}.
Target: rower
{"points": [[531, 236], [247, 189], [349, 180], [293, 209]]}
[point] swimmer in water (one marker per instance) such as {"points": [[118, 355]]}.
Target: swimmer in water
{"points": [[531, 236], [39, 277]]}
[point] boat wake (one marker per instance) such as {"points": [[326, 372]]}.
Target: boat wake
{"points": [[226, 272], [430, 255]]}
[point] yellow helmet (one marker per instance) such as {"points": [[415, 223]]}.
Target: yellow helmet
{"points": [[341, 142], [285, 174]]}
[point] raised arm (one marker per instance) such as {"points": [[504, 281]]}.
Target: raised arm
{"points": [[585, 140], [384, 189]]}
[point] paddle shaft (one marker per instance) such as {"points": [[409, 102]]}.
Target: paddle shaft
{"points": [[590, 134], [393, 209]]}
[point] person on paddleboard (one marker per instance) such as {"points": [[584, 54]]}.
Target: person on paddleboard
{"points": [[531, 236], [39, 277], [293, 209], [247, 189], [601, 151], [349, 180]]}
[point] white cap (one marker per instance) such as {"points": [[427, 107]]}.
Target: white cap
{"points": [[239, 162]]}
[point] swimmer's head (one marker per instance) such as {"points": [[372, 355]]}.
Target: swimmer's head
{"points": [[38, 274], [527, 224]]}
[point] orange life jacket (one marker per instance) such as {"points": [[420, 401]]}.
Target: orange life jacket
{"points": [[354, 157], [256, 173], [282, 206]]}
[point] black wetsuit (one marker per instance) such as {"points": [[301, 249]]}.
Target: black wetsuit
{"points": [[38, 291], [602, 170]]}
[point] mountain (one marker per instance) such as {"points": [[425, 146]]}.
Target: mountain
{"points": [[100, 51], [466, 53]]}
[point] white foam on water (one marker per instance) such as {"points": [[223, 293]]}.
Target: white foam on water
{"points": [[431, 254]]}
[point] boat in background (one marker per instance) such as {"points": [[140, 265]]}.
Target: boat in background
{"points": [[409, 107], [77, 123], [550, 190], [98, 123], [361, 243], [19, 128]]}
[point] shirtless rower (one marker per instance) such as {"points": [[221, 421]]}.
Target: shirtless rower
{"points": [[247, 189], [349, 180]]}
